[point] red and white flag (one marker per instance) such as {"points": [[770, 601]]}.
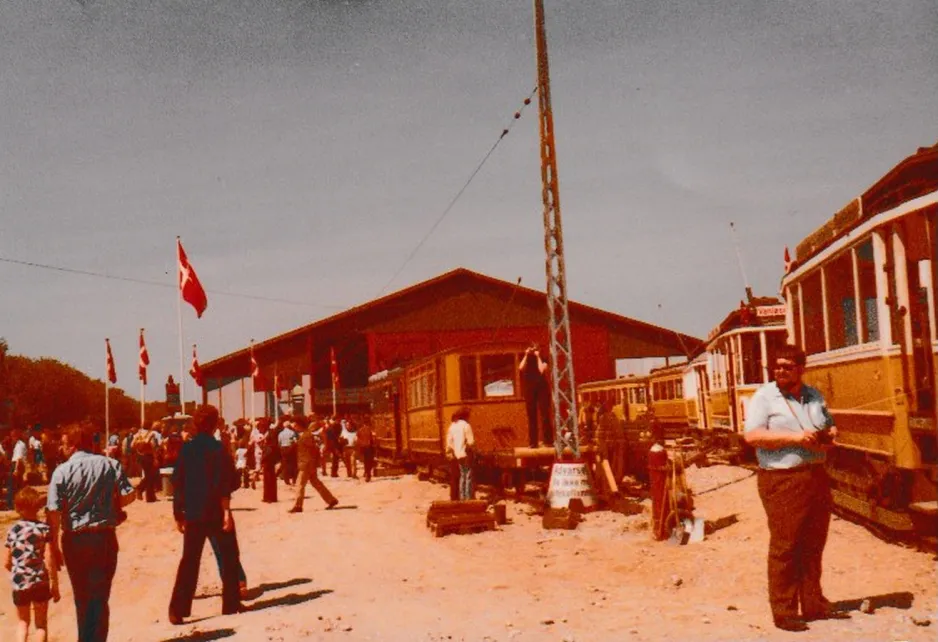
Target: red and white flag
{"points": [[111, 371], [195, 370], [334, 367], [144, 360], [189, 286], [787, 261], [255, 369]]}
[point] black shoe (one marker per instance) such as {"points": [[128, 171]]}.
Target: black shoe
{"points": [[332, 505], [295, 509], [790, 624]]}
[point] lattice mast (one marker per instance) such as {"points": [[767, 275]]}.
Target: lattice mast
{"points": [[561, 354]]}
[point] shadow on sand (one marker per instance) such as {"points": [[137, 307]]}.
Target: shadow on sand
{"points": [[287, 600], [901, 600], [202, 636]]}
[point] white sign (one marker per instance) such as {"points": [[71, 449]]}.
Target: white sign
{"points": [[770, 311]]}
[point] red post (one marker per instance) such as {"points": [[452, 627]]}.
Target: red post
{"points": [[658, 476]]}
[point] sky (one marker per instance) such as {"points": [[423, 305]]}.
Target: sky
{"points": [[303, 149]]}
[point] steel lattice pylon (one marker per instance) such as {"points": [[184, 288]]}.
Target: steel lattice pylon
{"points": [[561, 355]]}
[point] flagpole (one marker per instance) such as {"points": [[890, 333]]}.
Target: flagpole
{"points": [[182, 359], [107, 403], [143, 386], [276, 394], [253, 414], [333, 398]]}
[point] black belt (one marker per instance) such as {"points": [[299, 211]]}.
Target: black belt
{"points": [[92, 529]]}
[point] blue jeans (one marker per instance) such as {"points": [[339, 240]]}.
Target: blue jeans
{"points": [[465, 478]]}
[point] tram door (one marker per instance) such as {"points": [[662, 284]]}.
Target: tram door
{"points": [[396, 413], [920, 258], [703, 391]]}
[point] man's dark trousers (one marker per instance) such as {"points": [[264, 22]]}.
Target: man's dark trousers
{"points": [[91, 560], [798, 507], [187, 576], [537, 402]]}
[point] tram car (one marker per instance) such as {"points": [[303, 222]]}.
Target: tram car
{"points": [[720, 381], [666, 400], [626, 396], [861, 298], [412, 405]]}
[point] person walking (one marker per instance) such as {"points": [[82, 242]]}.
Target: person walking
{"points": [[202, 484], [286, 439], [790, 427], [366, 448], [144, 446], [348, 438], [33, 572], [459, 444], [307, 453], [86, 496]]}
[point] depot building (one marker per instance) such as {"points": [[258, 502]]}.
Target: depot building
{"points": [[456, 309]]}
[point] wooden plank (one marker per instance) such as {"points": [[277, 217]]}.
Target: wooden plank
{"points": [[463, 506], [471, 518], [610, 478]]}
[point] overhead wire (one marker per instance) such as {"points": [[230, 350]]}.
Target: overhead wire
{"points": [[459, 193], [114, 277]]}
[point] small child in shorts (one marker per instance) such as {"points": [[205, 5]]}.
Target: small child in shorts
{"points": [[241, 463], [33, 573]]}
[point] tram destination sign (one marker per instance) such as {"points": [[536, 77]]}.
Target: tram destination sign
{"points": [[769, 311]]}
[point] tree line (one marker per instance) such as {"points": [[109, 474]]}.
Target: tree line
{"points": [[53, 394]]}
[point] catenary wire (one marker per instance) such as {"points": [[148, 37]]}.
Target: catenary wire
{"points": [[161, 284], [459, 193]]}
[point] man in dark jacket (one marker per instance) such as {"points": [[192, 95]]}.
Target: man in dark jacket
{"points": [[202, 483]]}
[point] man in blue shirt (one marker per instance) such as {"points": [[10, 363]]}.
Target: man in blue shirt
{"points": [[86, 495], [202, 481], [790, 427]]}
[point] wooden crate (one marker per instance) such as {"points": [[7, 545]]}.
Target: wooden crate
{"points": [[471, 516]]}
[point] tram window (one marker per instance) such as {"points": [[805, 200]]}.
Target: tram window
{"points": [[796, 315], [867, 274], [679, 389], [468, 378], [498, 375], [670, 391], [772, 342], [841, 302], [752, 359], [642, 396], [813, 314]]}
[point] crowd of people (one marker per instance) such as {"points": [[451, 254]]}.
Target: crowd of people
{"points": [[88, 477]]}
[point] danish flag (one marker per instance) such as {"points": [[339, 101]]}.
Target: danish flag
{"points": [[255, 370], [189, 286], [111, 371], [144, 360], [787, 261], [195, 370]]}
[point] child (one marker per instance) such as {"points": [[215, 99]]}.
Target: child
{"points": [[33, 572], [241, 463]]}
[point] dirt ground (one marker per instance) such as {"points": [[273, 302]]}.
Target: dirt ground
{"points": [[372, 571]]}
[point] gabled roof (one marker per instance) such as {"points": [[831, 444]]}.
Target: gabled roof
{"points": [[663, 335]]}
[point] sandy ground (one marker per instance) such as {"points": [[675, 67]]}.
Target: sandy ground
{"points": [[373, 572]]}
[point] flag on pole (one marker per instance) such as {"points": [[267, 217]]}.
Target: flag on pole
{"points": [[111, 371], [787, 261], [189, 286], [255, 370], [195, 370], [334, 366], [144, 360]]}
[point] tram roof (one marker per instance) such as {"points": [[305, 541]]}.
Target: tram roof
{"points": [[915, 176], [671, 341]]}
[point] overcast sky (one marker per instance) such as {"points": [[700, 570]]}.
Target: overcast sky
{"points": [[303, 148]]}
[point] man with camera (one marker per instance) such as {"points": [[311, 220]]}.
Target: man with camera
{"points": [[536, 392], [791, 429]]}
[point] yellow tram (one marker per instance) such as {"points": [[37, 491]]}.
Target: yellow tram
{"points": [[626, 396], [666, 399], [721, 380], [862, 304], [412, 405]]}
